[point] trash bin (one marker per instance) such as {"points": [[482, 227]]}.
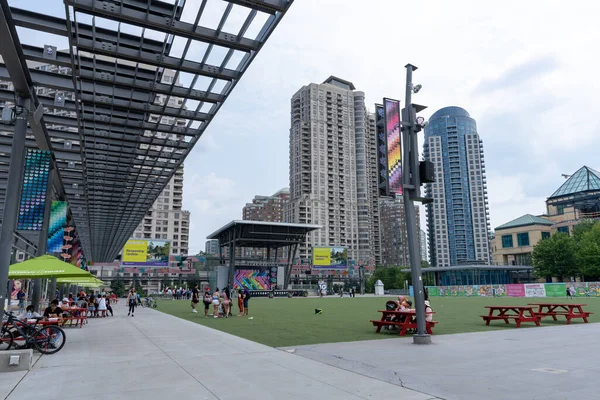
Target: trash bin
{"points": [[378, 288]]}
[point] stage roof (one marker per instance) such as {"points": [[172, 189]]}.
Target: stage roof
{"points": [[243, 233], [124, 105]]}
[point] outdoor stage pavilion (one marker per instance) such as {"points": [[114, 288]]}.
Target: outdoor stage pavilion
{"points": [[108, 121], [271, 236]]}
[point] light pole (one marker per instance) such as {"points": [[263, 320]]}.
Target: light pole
{"points": [[411, 192]]}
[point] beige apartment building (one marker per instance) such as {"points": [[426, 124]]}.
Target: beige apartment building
{"points": [[577, 199], [514, 241], [333, 170]]}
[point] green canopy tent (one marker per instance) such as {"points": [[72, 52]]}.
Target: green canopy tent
{"points": [[45, 267], [78, 280]]}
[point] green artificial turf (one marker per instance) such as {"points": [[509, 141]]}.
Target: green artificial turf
{"points": [[283, 322]]}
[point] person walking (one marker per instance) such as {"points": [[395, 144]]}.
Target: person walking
{"points": [[131, 301], [195, 298]]}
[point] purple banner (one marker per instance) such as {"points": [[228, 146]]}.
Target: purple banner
{"points": [[515, 290]]}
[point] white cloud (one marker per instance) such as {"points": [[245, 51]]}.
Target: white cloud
{"points": [[529, 84], [212, 201]]}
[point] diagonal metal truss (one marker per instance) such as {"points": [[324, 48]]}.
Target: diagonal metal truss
{"points": [[126, 103]]}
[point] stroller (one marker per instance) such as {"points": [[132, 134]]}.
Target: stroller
{"points": [[391, 305]]}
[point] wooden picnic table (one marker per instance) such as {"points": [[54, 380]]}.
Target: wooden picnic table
{"points": [[402, 319], [79, 319], [569, 310], [518, 313]]}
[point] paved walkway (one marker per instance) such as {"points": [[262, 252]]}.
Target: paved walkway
{"points": [[157, 356], [547, 363]]}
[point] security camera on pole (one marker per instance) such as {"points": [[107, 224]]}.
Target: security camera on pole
{"points": [[415, 173]]}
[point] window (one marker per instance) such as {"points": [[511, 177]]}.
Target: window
{"points": [[507, 241], [563, 229], [560, 210], [545, 235], [523, 239]]}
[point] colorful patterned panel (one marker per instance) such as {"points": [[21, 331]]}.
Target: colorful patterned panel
{"points": [[254, 279], [56, 226], [33, 194]]}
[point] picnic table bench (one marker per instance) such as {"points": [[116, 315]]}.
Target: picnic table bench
{"points": [[72, 319], [519, 314], [403, 321], [570, 311]]}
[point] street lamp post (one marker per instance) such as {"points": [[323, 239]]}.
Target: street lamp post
{"points": [[411, 192]]}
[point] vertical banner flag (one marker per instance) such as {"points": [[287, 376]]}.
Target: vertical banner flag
{"points": [[33, 194], [383, 180], [56, 226], [392, 130]]}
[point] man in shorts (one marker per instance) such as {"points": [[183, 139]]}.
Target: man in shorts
{"points": [[195, 298], [246, 297], [207, 300]]}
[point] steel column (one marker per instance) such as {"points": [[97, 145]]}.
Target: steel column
{"points": [[43, 242], [13, 194], [411, 191]]}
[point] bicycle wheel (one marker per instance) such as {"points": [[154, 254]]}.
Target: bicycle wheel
{"points": [[154, 305], [6, 339], [49, 339]]}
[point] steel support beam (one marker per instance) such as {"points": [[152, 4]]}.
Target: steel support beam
{"points": [[266, 6], [130, 12], [58, 26], [12, 200]]}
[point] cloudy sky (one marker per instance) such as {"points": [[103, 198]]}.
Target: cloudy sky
{"points": [[526, 71]]}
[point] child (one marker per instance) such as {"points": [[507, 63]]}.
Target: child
{"points": [[240, 302]]}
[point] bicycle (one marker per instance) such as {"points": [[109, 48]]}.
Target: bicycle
{"points": [[48, 339], [149, 302]]}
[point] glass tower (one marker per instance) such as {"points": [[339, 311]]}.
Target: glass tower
{"points": [[458, 218]]}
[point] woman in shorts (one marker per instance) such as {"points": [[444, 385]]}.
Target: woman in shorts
{"points": [[215, 302], [226, 302]]}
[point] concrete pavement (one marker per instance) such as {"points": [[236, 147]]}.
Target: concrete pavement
{"points": [[549, 363], [157, 356]]}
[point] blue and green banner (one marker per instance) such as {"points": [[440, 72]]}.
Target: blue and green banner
{"points": [[56, 226], [33, 193]]}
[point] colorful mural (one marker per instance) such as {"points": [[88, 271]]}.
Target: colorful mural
{"points": [[253, 279], [56, 226], [467, 290], [582, 289], [33, 193]]}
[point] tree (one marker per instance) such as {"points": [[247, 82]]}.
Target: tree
{"points": [[118, 287], [391, 277], [582, 228], [588, 252], [555, 257]]}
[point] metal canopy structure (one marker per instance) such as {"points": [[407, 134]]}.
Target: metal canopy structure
{"points": [[259, 234], [124, 105]]}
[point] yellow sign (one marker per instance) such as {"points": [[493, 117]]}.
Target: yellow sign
{"points": [[322, 256], [135, 251]]}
